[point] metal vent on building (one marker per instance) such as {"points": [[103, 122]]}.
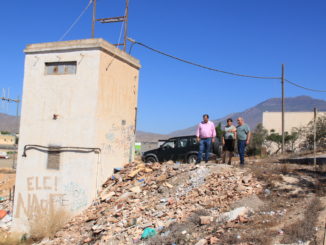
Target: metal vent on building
{"points": [[53, 159], [60, 68]]}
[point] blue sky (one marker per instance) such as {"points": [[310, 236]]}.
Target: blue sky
{"points": [[251, 37]]}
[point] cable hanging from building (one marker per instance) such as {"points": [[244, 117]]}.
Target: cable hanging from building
{"points": [[199, 65], [76, 21]]}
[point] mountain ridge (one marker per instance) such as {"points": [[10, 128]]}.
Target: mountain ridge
{"points": [[252, 116]]}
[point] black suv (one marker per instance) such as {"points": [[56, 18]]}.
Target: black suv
{"points": [[183, 148]]}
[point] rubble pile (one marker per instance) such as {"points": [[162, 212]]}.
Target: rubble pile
{"points": [[7, 180], [149, 198]]}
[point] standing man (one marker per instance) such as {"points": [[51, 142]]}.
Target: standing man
{"points": [[243, 137], [228, 140], [205, 136]]}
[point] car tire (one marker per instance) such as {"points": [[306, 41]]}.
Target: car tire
{"points": [[216, 148], [192, 158], [150, 159]]}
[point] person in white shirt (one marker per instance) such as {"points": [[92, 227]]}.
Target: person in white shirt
{"points": [[228, 140]]}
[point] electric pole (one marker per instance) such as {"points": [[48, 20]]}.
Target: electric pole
{"points": [[315, 117], [17, 101], [94, 18], [126, 26], [124, 19], [283, 108]]}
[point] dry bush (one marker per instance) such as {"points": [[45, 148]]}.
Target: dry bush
{"points": [[46, 225], [10, 238], [174, 234], [254, 237], [195, 216], [303, 230]]}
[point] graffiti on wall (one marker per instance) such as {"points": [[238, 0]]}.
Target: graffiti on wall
{"points": [[120, 139], [42, 197], [77, 196]]}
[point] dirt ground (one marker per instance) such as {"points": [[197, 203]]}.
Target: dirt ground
{"points": [[290, 209], [6, 163]]}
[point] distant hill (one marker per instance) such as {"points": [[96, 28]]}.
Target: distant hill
{"points": [[8, 123], [254, 115], [149, 137]]}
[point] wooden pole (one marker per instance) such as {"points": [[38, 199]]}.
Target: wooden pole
{"points": [[14, 155], [315, 117], [283, 108]]}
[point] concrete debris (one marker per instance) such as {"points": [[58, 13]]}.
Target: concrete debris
{"points": [[202, 242], [5, 222], [298, 243], [213, 240], [205, 220], [233, 215], [159, 197]]}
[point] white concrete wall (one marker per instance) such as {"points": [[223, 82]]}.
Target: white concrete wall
{"points": [[86, 105], [273, 120], [116, 112]]}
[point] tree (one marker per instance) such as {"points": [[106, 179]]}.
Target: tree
{"points": [[4, 132], [258, 137], [293, 137], [219, 131], [320, 133], [276, 138]]}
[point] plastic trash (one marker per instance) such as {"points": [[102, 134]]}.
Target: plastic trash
{"points": [[148, 233], [116, 170], [267, 192], [3, 213]]}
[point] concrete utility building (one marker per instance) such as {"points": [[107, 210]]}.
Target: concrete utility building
{"points": [[273, 120], [77, 123]]}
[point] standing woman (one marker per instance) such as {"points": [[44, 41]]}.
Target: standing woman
{"points": [[228, 139]]}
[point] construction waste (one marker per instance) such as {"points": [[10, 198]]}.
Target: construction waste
{"points": [[165, 203]]}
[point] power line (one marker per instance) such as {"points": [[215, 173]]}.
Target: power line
{"points": [[218, 70], [76, 21], [199, 65], [309, 89]]}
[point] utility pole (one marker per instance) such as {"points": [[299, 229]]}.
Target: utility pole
{"points": [[17, 101], [124, 19], [94, 18], [283, 108], [315, 117], [126, 26]]}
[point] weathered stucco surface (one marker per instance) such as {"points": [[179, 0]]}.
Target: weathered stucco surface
{"points": [[273, 120], [95, 108]]}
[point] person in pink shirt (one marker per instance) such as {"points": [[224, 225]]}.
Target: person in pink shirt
{"points": [[205, 136]]}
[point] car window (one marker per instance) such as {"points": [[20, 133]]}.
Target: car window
{"points": [[170, 144], [183, 143]]}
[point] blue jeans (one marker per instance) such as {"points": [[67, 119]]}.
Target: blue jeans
{"points": [[241, 150], [204, 146]]}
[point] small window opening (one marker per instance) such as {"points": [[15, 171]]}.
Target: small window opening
{"points": [[60, 68]]}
